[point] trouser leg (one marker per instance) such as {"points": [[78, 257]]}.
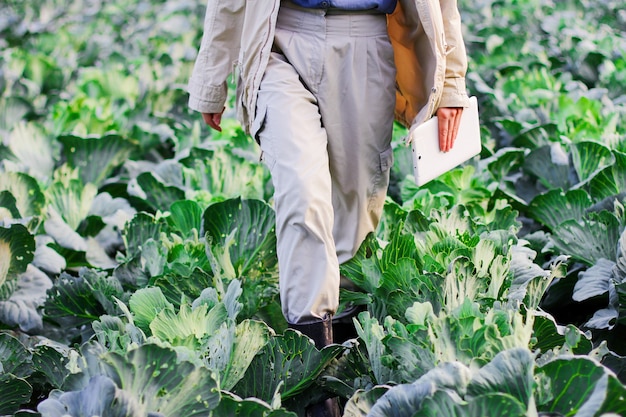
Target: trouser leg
{"points": [[359, 124], [327, 101], [294, 145], [357, 111]]}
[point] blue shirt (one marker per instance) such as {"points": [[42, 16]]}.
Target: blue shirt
{"points": [[384, 6]]}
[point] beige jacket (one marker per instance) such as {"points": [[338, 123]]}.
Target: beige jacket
{"points": [[426, 36]]}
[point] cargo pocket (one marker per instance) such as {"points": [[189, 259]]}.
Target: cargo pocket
{"points": [[380, 181]]}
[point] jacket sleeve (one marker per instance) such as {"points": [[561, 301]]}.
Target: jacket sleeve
{"points": [[454, 90], [217, 55]]}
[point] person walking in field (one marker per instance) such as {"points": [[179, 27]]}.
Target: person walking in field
{"points": [[319, 84]]}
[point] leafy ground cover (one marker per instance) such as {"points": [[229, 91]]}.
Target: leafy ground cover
{"points": [[137, 250]]}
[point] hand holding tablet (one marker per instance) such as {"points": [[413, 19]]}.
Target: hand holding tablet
{"points": [[429, 161]]}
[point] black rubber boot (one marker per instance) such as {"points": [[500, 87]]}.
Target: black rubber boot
{"points": [[343, 324], [320, 331], [322, 334]]}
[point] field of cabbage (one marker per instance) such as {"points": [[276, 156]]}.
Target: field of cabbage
{"points": [[138, 274]]}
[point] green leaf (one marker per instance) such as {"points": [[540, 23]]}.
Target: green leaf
{"points": [[504, 161], [17, 249], [131, 273], [573, 383], [364, 268], [158, 195], [146, 304], [605, 318], [14, 357], [100, 397], [537, 135], [594, 281], [116, 336], [154, 256], [96, 158], [63, 234], [77, 301], [372, 334], [185, 258], [360, 404], [188, 327], [615, 398], [351, 372], [510, 372], [254, 248], [524, 271], [548, 335], [71, 200], [594, 238], [550, 165], [176, 286], [290, 359], [554, 207], [503, 219], [496, 404], [185, 216], [139, 230], [443, 403], [401, 400], [8, 206], [23, 306], [224, 173], [34, 150], [231, 299], [29, 199], [620, 267], [620, 305], [589, 158], [12, 110], [459, 184], [400, 246], [46, 258], [250, 338], [402, 285], [51, 363], [611, 181], [157, 382], [14, 391], [392, 216], [413, 353]]}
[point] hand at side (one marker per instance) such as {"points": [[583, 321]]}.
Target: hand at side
{"points": [[213, 120]]}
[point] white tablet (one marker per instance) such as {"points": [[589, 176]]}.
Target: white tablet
{"points": [[428, 161]]}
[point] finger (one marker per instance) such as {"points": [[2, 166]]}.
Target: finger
{"points": [[448, 137], [443, 131], [449, 134], [456, 124], [217, 119], [213, 120], [208, 118]]}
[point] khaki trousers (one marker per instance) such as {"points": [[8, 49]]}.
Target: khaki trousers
{"points": [[324, 122]]}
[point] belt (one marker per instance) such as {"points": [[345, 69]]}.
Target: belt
{"points": [[335, 11], [330, 10]]}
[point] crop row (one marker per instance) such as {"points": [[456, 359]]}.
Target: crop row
{"points": [[138, 273]]}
